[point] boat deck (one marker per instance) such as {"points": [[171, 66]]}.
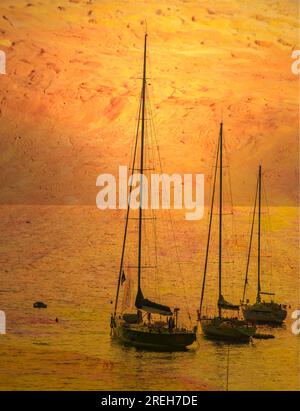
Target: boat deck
{"points": [[144, 328]]}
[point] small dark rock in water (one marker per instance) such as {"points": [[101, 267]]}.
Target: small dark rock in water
{"points": [[56, 320], [39, 304], [28, 222]]}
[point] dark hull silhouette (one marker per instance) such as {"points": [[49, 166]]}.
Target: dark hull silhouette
{"points": [[153, 339], [265, 313], [227, 330]]}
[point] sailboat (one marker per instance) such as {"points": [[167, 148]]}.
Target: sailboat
{"points": [[153, 326], [220, 327], [260, 311]]}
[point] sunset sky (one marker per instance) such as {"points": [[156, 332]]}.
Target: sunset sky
{"points": [[69, 99]]}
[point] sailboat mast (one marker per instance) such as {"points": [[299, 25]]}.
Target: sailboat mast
{"points": [[220, 215], [209, 231], [250, 242], [258, 242], [142, 166], [127, 216]]}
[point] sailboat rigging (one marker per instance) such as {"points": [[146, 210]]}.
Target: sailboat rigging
{"points": [[261, 311], [131, 328], [220, 327]]}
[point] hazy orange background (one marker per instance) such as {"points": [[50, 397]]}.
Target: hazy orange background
{"points": [[69, 99], [68, 108]]}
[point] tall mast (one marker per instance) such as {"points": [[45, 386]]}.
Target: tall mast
{"points": [[142, 166], [209, 230], [258, 242], [127, 216], [250, 242], [220, 215]]}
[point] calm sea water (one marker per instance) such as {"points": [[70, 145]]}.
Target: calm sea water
{"points": [[68, 257]]}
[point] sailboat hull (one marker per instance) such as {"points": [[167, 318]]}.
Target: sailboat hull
{"points": [[140, 336], [235, 331], [265, 313]]}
